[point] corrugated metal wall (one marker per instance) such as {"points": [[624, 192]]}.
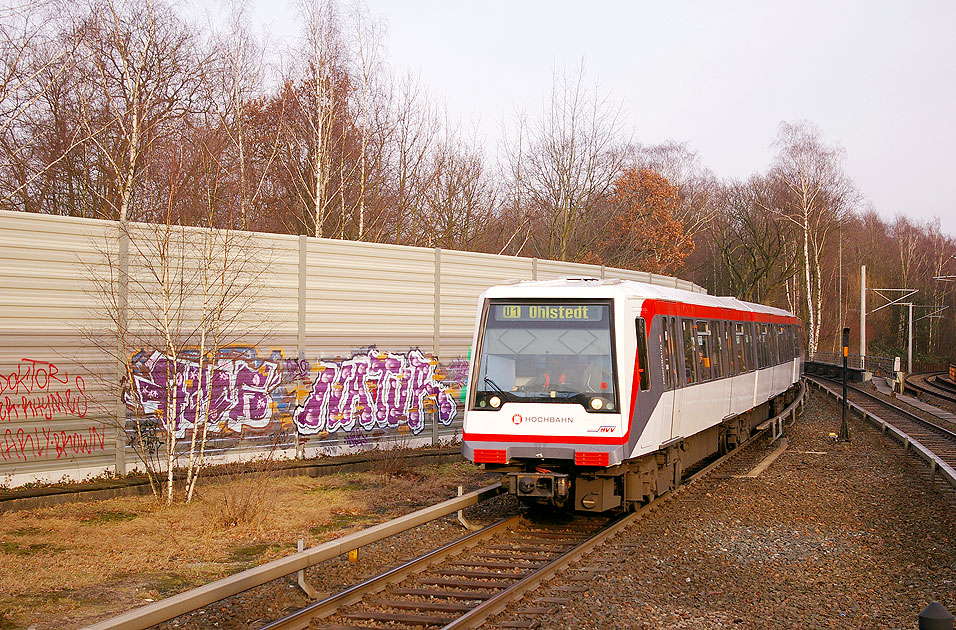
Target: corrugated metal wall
{"points": [[329, 346]]}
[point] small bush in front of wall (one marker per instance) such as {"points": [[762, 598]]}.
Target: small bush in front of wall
{"points": [[389, 458]]}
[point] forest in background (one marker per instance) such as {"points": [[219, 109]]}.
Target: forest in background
{"points": [[130, 111]]}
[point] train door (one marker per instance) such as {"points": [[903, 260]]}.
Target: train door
{"points": [[670, 371], [754, 355], [685, 396], [726, 371], [653, 400]]}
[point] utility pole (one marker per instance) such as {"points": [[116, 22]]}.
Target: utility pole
{"points": [[909, 350], [863, 315]]}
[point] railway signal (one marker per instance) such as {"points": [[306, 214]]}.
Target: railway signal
{"points": [[844, 429]]}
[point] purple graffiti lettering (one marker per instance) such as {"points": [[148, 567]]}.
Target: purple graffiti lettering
{"points": [[374, 390], [231, 393]]}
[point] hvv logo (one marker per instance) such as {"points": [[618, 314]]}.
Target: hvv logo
{"points": [[604, 429]]}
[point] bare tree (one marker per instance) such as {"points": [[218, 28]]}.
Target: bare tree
{"points": [[573, 152], [318, 101], [414, 130], [367, 36], [752, 250], [144, 77], [459, 195]]}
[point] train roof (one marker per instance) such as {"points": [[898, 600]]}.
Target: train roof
{"points": [[630, 288]]}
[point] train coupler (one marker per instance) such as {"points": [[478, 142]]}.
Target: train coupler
{"points": [[555, 486]]}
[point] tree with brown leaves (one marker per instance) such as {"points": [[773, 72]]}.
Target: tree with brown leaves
{"points": [[645, 232]]}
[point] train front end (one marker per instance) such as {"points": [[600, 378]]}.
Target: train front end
{"points": [[545, 397]]}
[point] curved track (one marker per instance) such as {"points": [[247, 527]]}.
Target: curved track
{"points": [[458, 585], [932, 442], [933, 384], [465, 583]]}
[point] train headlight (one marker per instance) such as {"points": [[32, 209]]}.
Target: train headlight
{"points": [[596, 403], [495, 402]]}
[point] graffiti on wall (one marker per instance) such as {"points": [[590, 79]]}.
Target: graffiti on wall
{"points": [[37, 391], [236, 389], [244, 391], [375, 390]]}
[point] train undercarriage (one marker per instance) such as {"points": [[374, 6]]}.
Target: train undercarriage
{"points": [[559, 484]]}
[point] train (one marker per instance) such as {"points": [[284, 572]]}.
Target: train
{"points": [[599, 395]]}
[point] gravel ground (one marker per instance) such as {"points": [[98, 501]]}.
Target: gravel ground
{"points": [[829, 536], [269, 602]]}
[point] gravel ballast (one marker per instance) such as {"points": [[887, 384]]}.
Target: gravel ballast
{"points": [[831, 535]]}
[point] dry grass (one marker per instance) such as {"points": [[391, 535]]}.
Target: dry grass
{"points": [[67, 565]]}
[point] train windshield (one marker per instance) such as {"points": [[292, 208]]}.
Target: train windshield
{"points": [[546, 351]]}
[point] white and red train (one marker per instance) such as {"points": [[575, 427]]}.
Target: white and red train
{"points": [[597, 394]]}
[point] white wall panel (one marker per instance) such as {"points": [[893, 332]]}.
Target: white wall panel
{"points": [[58, 281]]}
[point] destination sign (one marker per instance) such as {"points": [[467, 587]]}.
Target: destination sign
{"points": [[550, 312]]}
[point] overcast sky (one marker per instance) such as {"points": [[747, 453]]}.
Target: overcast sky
{"points": [[879, 78]]}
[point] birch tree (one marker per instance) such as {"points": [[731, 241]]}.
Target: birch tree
{"points": [[819, 196], [145, 75], [318, 102]]}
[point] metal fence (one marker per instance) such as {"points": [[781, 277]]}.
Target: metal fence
{"points": [[341, 346], [879, 366]]}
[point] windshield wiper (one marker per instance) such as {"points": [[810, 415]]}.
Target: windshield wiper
{"points": [[488, 381]]}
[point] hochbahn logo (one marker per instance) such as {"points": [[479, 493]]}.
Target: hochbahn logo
{"points": [[518, 419]]}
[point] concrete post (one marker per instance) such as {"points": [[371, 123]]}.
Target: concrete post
{"points": [[437, 337], [122, 321]]}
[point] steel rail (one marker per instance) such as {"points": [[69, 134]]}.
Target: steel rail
{"points": [[323, 608], [923, 385], [904, 412], [936, 463], [196, 598], [498, 603]]}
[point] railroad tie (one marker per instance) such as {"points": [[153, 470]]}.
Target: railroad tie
{"points": [[415, 620]]}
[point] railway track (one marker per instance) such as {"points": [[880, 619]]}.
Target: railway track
{"points": [[932, 384], [464, 583], [459, 585], [933, 443], [471, 580]]}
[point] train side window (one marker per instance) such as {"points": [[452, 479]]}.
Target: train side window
{"points": [[642, 363], [673, 346], [770, 340], [690, 353], [730, 365], [704, 350], [752, 359], [755, 342], [731, 346], [717, 329], [764, 346], [664, 338], [740, 347]]}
